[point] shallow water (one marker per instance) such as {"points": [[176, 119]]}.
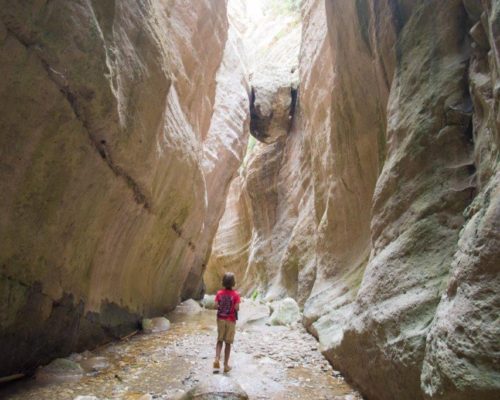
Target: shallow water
{"points": [[268, 362]]}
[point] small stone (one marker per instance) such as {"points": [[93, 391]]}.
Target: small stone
{"points": [[60, 370], [94, 364], [155, 325], [86, 398], [214, 387]]}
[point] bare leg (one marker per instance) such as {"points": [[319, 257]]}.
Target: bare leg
{"points": [[218, 350], [227, 353]]}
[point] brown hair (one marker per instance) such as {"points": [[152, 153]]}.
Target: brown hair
{"points": [[228, 280]]}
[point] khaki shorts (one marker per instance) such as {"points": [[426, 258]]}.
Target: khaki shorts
{"points": [[225, 331]]}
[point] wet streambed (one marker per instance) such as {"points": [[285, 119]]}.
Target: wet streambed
{"points": [[269, 362]]}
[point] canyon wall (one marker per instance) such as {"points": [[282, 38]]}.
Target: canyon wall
{"points": [[379, 210], [115, 137]]}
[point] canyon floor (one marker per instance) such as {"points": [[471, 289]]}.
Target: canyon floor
{"points": [[269, 362]]}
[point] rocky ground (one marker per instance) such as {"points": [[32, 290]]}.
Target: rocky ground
{"points": [[269, 362]]}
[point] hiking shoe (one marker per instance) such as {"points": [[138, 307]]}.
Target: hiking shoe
{"points": [[216, 364]]}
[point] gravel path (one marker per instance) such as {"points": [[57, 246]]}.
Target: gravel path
{"points": [[269, 362]]}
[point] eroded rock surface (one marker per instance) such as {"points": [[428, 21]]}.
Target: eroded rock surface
{"points": [[115, 138], [379, 210]]}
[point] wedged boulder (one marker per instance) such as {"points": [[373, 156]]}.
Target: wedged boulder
{"points": [[272, 106], [155, 325], [216, 387], [285, 312], [60, 370]]}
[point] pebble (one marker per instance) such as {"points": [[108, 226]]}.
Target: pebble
{"points": [[86, 398]]}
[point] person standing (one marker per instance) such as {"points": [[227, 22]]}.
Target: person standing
{"points": [[227, 301]]}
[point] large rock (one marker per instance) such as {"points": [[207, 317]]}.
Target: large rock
{"points": [[252, 313], [110, 112], [285, 312], [216, 387], [187, 308], [272, 104], [379, 209]]}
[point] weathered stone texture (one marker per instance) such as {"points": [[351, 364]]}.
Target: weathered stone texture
{"points": [[106, 116], [231, 243], [379, 210]]}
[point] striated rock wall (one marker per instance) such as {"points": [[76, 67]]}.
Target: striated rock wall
{"points": [[231, 243], [223, 152], [379, 210], [247, 242], [106, 137]]}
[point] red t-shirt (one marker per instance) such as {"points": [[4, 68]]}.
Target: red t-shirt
{"points": [[227, 300]]}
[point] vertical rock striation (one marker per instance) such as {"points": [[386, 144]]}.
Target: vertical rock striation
{"points": [[223, 152], [379, 209], [109, 112]]}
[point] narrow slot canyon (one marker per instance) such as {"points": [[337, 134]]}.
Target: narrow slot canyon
{"points": [[340, 157]]}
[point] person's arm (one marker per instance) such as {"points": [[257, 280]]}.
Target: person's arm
{"points": [[237, 305]]}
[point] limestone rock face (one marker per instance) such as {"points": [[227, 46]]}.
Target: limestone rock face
{"points": [[223, 152], [253, 234], [417, 209], [462, 351], [379, 210], [232, 240], [114, 140]]}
